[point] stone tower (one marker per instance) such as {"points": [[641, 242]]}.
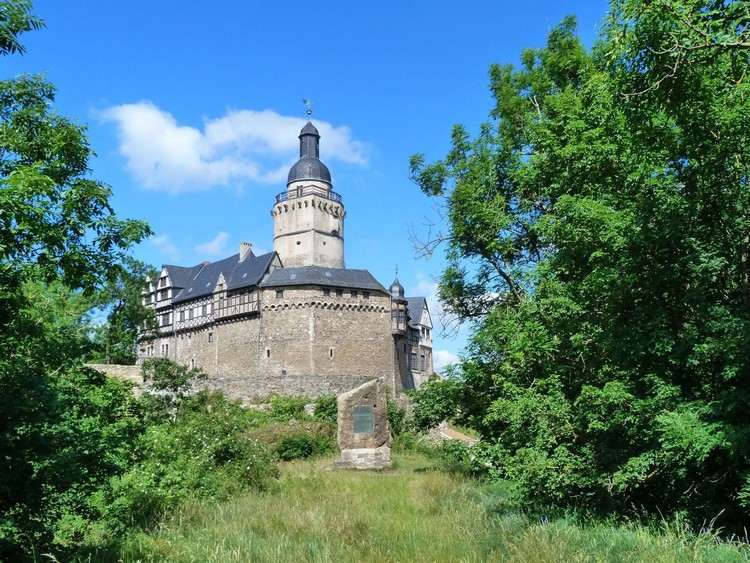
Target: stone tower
{"points": [[308, 218]]}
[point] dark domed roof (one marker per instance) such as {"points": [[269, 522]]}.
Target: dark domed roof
{"points": [[396, 289], [309, 129], [309, 166]]}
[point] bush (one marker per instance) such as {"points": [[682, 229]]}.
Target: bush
{"points": [[326, 408], [285, 408], [435, 401], [397, 418], [205, 453], [297, 440]]}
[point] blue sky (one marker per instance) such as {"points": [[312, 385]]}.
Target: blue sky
{"points": [[193, 109]]}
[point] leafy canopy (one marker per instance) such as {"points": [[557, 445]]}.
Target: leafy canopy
{"points": [[598, 239]]}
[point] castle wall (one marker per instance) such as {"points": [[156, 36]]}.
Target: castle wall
{"points": [[303, 342]]}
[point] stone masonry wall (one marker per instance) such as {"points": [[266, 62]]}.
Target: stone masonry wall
{"points": [[303, 342]]}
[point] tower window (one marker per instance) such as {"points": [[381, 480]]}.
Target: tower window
{"points": [[365, 294], [268, 352], [326, 291], [210, 336], [330, 353], [339, 293], [354, 293], [279, 293]]}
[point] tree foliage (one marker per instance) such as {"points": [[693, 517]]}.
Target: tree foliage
{"points": [[64, 429], [127, 319], [598, 238]]}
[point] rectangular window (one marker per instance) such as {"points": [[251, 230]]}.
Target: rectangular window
{"points": [[190, 313], [330, 353], [339, 293], [210, 336], [366, 294], [268, 352], [166, 350], [162, 281], [182, 315], [279, 293], [354, 293], [204, 310], [326, 291]]}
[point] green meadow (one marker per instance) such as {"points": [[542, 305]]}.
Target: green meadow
{"points": [[414, 513]]}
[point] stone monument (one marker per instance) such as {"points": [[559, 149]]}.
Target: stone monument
{"points": [[364, 436]]}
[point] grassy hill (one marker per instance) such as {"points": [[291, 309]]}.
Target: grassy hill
{"points": [[414, 513]]}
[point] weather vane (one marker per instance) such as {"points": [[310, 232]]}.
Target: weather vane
{"points": [[308, 107]]}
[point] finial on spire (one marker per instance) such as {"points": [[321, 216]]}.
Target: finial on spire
{"points": [[308, 107], [397, 270]]}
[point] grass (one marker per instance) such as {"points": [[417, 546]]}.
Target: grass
{"points": [[413, 513]]}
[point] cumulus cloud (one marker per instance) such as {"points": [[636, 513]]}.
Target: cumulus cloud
{"points": [[214, 247], [443, 358], [165, 245], [243, 146]]}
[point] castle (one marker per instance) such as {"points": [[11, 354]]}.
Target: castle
{"points": [[294, 320]]}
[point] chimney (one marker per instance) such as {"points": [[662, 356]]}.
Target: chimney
{"points": [[245, 250]]}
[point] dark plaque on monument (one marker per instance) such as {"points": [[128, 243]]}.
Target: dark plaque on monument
{"points": [[364, 419]]}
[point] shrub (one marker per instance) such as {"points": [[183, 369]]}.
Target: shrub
{"points": [[326, 408], [435, 401], [205, 453], [285, 408], [397, 418], [297, 440]]}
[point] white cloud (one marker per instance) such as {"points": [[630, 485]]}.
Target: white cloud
{"points": [[243, 146], [442, 358], [214, 247], [165, 245]]}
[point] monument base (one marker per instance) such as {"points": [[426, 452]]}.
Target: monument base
{"points": [[365, 458]]}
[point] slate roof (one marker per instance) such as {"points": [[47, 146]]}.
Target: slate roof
{"points": [[318, 275], [415, 306], [181, 276], [203, 277]]}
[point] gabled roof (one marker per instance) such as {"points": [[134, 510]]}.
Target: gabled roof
{"points": [[250, 271], [318, 275], [415, 306], [181, 276], [237, 274]]}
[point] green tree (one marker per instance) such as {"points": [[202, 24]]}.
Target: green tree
{"points": [[115, 339], [64, 430], [598, 239]]}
